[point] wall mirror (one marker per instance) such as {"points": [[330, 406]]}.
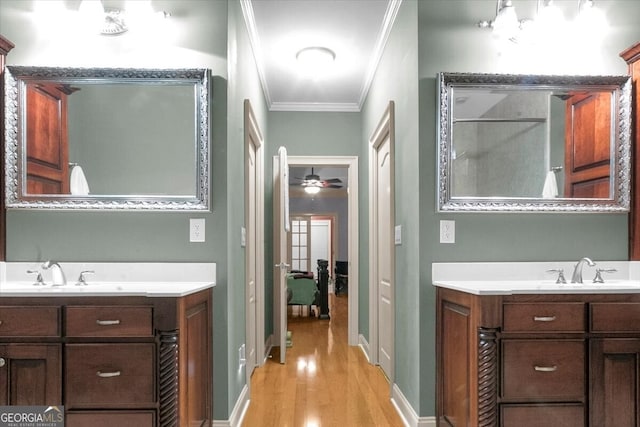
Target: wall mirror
{"points": [[533, 143], [80, 138]]}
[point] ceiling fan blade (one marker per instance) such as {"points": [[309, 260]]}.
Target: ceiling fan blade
{"points": [[333, 181], [333, 186]]}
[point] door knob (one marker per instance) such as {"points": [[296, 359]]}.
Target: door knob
{"points": [[2, 362]]}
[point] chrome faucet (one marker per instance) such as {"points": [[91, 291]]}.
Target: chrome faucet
{"points": [[57, 275], [577, 271]]}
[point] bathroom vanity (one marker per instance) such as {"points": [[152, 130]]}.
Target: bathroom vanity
{"points": [[117, 353], [535, 353]]}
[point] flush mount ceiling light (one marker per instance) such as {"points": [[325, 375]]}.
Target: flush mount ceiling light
{"points": [[548, 24], [315, 59]]}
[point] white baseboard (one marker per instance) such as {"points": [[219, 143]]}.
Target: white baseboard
{"points": [[406, 411], [364, 345], [268, 345], [239, 409]]}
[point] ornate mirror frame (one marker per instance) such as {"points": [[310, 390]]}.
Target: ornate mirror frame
{"points": [[620, 88], [16, 79]]}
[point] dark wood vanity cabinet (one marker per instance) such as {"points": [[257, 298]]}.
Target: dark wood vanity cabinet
{"points": [[538, 360], [125, 361]]}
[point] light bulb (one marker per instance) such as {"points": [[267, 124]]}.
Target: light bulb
{"points": [[506, 24], [312, 189]]}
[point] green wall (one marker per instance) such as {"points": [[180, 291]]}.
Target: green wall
{"points": [[500, 237], [217, 39], [397, 80], [305, 134]]}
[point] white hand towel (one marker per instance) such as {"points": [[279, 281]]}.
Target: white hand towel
{"points": [[78, 183], [550, 189]]}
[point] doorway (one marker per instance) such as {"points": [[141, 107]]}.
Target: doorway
{"points": [[381, 249], [253, 236], [351, 163]]}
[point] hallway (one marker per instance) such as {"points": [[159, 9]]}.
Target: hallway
{"points": [[324, 383]]}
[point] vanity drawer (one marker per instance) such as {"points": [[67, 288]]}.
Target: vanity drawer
{"points": [[543, 369], [544, 317], [542, 415], [111, 419], [109, 321], [110, 375], [615, 317], [27, 321]]}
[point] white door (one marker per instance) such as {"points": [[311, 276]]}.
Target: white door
{"points": [[382, 249], [280, 229], [320, 243], [253, 252]]}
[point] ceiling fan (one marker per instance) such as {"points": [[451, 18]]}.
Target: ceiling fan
{"points": [[312, 183]]}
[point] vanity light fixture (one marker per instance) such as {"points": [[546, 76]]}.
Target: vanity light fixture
{"points": [[549, 23], [112, 22]]}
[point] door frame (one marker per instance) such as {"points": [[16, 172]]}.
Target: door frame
{"points": [[351, 162], [252, 133], [384, 128]]}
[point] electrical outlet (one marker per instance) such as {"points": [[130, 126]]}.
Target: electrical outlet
{"points": [[447, 231], [196, 230]]}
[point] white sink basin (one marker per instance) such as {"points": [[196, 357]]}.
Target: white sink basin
{"points": [[509, 287], [154, 289]]}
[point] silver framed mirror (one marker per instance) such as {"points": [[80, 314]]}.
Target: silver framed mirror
{"points": [[107, 139], [533, 143]]}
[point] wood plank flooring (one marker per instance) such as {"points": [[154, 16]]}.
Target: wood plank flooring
{"points": [[324, 383]]}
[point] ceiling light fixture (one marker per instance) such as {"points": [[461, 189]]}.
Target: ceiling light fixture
{"points": [[315, 59]]}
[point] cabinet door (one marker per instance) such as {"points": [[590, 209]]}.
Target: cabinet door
{"points": [[615, 380], [47, 140], [30, 374]]}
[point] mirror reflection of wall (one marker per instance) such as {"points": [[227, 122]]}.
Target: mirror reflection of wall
{"points": [[502, 151], [557, 110], [127, 137]]}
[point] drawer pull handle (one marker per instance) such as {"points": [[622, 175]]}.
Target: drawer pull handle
{"points": [[545, 368], [2, 362], [544, 318], [107, 322], [108, 374]]}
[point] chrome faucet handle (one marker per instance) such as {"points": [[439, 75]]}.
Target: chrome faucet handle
{"points": [[560, 271], [599, 271], [82, 281], [39, 281]]}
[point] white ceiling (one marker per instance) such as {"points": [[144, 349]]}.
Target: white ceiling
{"points": [[356, 30]]}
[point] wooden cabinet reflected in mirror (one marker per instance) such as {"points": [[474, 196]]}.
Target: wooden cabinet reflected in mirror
{"points": [[587, 145], [632, 57], [5, 47]]}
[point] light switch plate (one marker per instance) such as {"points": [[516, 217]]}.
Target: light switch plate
{"points": [[243, 237], [447, 231], [196, 230], [398, 235]]}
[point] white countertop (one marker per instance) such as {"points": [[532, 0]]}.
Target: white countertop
{"points": [[533, 278], [110, 279]]}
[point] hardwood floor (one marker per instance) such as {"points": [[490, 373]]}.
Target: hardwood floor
{"points": [[324, 383]]}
